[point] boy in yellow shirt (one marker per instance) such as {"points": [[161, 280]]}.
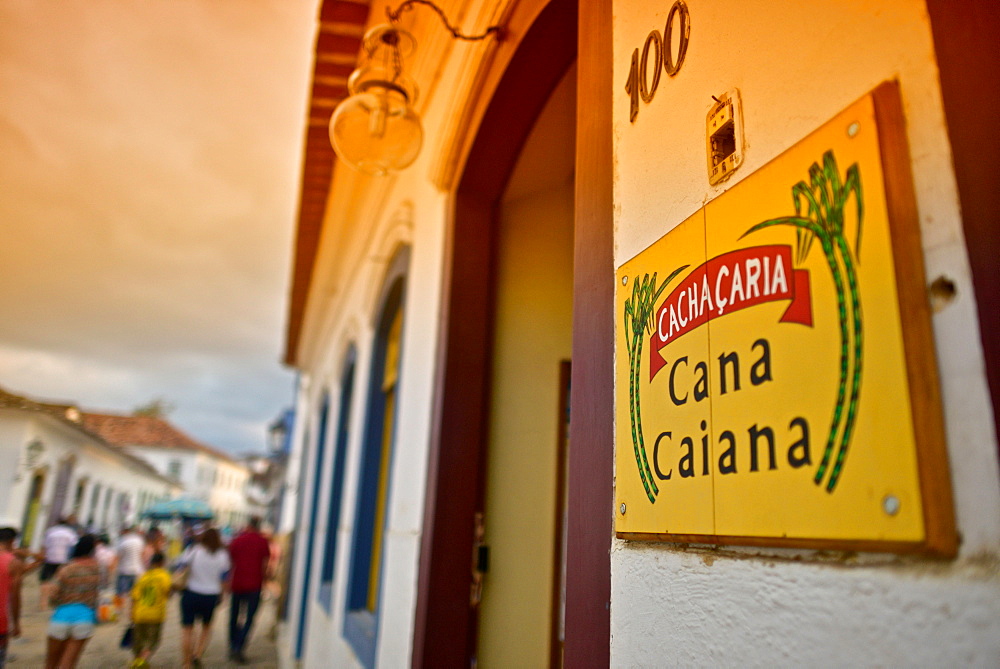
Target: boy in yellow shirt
{"points": [[149, 610]]}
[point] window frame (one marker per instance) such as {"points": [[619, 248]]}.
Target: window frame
{"points": [[329, 563], [323, 415], [361, 623]]}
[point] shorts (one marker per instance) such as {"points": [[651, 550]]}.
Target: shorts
{"points": [[72, 621], [145, 636], [125, 583], [63, 631], [48, 569], [196, 605]]}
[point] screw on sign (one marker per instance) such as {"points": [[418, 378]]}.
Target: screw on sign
{"points": [[659, 48]]}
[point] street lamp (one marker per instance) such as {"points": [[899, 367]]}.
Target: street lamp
{"points": [[376, 130], [276, 434], [33, 451]]}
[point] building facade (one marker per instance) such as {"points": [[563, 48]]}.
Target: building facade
{"points": [[53, 466], [205, 473], [465, 420]]}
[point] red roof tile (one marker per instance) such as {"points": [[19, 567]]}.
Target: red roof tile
{"points": [[68, 414], [144, 431]]}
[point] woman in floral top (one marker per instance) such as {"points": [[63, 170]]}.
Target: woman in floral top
{"points": [[73, 593]]}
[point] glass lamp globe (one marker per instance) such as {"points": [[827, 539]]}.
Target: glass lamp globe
{"points": [[376, 130]]}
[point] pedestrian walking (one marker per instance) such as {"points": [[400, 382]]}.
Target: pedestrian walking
{"points": [[107, 557], [207, 563], [73, 593], [11, 570], [58, 543], [156, 542], [149, 610], [130, 565], [250, 554]]}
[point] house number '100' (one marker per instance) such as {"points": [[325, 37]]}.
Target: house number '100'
{"points": [[638, 84]]}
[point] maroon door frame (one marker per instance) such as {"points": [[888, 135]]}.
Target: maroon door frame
{"points": [[591, 494], [965, 40], [540, 45]]}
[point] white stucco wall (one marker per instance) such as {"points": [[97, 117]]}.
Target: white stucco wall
{"points": [[350, 320], [160, 459], [796, 65], [291, 491], [366, 220], [295, 486], [221, 483], [229, 493], [95, 464], [369, 221], [14, 438]]}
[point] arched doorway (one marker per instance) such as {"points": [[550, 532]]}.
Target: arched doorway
{"points": [[63, 476], [524, 503], [32, 508], [446, 630]]}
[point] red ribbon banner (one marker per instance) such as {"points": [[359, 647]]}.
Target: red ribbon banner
{"points": [[731, 282]]}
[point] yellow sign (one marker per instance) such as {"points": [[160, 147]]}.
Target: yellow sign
{"points": [[763, 386]]}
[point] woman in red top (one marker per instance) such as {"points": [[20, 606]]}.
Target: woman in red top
{"points": [[11, 569]]}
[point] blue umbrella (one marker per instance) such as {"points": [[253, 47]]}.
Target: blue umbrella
{"points": [[188, 509]]}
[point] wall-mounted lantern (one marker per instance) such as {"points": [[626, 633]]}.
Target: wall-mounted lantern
{"points": [[376, 130], [33, 453]]}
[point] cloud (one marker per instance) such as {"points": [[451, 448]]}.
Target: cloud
{"points": [[147, 200], [225, 402]]}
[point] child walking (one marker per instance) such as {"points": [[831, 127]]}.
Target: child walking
{"points": [[149, 610]]}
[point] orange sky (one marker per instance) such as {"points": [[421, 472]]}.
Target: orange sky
{"points": [[151, 152]]}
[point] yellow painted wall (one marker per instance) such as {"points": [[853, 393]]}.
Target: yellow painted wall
{"points": [[533, 334]]}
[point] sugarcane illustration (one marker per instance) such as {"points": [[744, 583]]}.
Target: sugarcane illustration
{"points": [[825, 198], [638, 315]]}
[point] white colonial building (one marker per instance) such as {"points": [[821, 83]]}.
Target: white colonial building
{"points": [[204, 472], [51, 465]]}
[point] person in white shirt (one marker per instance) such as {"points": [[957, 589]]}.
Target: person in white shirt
{"points": [[107, 557], [130, 567], [207, 563], [58, 543]]}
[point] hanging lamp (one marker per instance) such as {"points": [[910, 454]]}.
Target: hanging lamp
{"points": [[376, 130]]}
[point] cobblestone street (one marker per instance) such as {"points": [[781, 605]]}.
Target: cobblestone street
{"points": [[103, 651]]}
